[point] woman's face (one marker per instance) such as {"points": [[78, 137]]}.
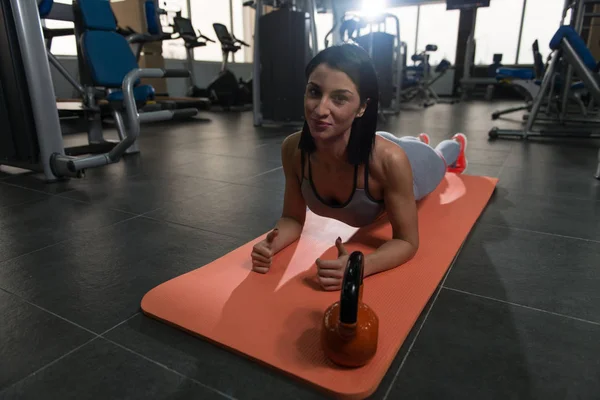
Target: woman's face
{"points": [[331, 103]]}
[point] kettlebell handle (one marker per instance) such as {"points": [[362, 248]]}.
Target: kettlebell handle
{"points": [[351, 285]]}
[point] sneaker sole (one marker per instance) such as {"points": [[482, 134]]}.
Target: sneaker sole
{"points": [[464, 150]]}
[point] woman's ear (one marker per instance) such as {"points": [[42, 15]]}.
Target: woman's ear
{"points": [[362, 109]]}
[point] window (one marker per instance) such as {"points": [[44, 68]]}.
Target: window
{"points": [[542, 19], [324, 23], [497, 31], [62, 45], [440, 27], [204, 14], [173, 49], [408, 27], [243, 29]]}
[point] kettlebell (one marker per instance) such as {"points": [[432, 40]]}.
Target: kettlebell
{"points": [[350, 328]]}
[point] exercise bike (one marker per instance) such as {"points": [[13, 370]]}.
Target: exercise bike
{"points": [[226, 90], [184, 28]]}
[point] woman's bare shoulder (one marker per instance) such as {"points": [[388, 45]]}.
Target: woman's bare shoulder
{"points": [[289, 147], [387, 156], [291, 141], [291, 154]]}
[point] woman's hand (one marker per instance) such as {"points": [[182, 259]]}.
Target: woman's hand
{"points": [[331, 272], [262, 253]]}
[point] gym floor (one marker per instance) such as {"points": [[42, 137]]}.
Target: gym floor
{"points": [[517, 316]]}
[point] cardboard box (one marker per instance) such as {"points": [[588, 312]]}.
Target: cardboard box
{"points": [[130, 13], [153, 48], [154, 61], [593, 40]]}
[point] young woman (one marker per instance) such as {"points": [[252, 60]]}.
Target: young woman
{"points": [[340, 167]]}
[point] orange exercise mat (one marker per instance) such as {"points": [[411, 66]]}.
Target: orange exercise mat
{"points": [[275, 318]]}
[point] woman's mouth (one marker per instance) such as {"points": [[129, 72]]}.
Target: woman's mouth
{"points": [[320, 125]]}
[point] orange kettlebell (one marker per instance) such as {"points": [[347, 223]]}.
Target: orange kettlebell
{"points": [[350, 327]]}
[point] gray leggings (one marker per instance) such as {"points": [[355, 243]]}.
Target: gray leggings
{"points": [[428, 163]]}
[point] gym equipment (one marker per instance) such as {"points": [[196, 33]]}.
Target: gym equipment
{"points": [[417, 84], [497, 63], [278, 82], [225, 89], [276, 318], [104, 70], [185, 29], [387, 52], [468, 83], [89, 109], [527, 82], [578, 8], [155, 33], [350, 327], [31, 137], [568, 47]]}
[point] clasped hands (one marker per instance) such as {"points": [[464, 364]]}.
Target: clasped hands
{"points": [[329, 272]]}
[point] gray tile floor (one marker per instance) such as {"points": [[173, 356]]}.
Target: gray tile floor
{"points": [[517, 316]]}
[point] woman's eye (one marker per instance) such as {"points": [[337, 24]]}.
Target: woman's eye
{"points": [[340, 99]]}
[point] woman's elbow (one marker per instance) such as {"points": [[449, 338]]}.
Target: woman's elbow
{"points": [[413, 249]]}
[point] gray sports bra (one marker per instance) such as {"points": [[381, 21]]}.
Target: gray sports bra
{"points": [[359, 210]]}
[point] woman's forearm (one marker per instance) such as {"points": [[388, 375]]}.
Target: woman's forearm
{"points": [[390, 255], [289, 231]]}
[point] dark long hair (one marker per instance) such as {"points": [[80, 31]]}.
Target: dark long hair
{"points": [[355, 62]]}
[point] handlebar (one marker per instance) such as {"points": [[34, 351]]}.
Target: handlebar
{"points": [[206, 38]]}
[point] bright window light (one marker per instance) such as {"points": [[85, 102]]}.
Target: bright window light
{"points": [[497, 31], [373, 8]]}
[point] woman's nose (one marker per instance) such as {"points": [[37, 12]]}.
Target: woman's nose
{"points": [[323, 107]]}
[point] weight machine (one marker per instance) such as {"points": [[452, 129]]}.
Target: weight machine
{"points": [[387, 51], [31, 136], [278, 80]]}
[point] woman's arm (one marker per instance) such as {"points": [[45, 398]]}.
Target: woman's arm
{"points": [[292, 219], [402, 213]]}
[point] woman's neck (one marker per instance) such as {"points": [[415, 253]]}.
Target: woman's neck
{"points": [[333, 154]]}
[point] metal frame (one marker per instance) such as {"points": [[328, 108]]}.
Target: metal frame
{"points": [[565, 53], [129, 130], [41, 91], [577, 21], [92, 115], [256, 104], [400, 46], [54, 163], [520, 31], [568, 54], [395, 109], [90, 109], [400, 50], [467, 82]]}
